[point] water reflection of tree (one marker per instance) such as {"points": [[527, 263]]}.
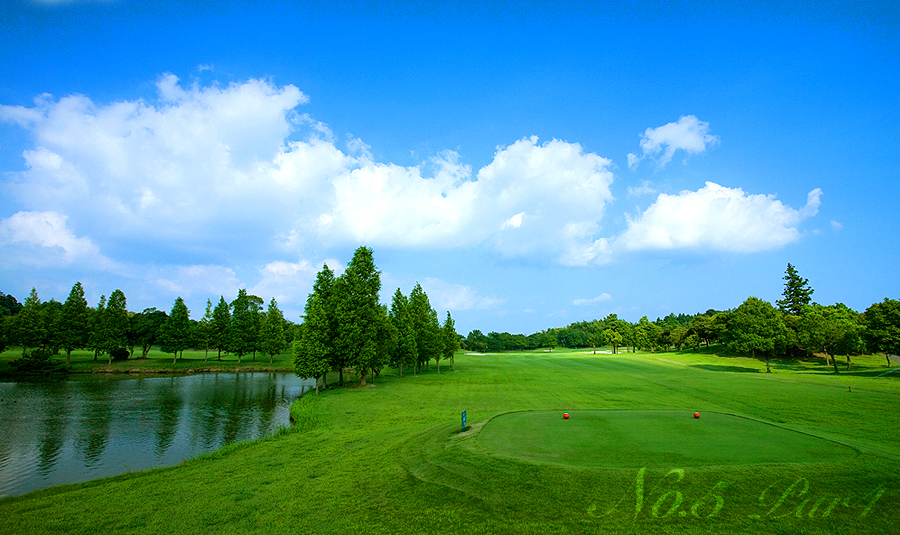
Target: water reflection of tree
{"points": [[96, 415], [234, 418], [169, 401], [55, 419]]}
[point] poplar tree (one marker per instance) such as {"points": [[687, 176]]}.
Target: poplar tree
{"points": [[176, 333], [28, 325], [405, 351], [205, 328], [360, 317], [271, 332], [73, 327], [221, 324], [451, 341], [116, 323], [242, 325], [98, 326]]}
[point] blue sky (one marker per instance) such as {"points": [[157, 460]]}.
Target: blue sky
{"points": [[531, 164]]}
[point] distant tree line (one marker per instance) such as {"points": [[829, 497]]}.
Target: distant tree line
{"points": [[345, 326], [794, 326], [240, 327]]}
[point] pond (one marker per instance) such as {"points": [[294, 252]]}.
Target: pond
{"points": [[92, 426]]}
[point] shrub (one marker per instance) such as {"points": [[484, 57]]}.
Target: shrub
{"points": [[119, 354]]}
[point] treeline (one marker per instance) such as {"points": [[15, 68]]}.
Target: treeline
{"points": [[346, 327], [794, 326], [240, 327]]}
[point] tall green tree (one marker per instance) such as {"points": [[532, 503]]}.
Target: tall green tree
{"points": [[882, 328], [313, 351], [176, 333], [757, 327], [116, 323], [450, 342], [272, 331], [797, 292], [405, 351], [147, 327], [99, 327], [221, 326], [425, 331], [241, 334], [205, 329], [28, 329], [73, 327], [359, 315]]}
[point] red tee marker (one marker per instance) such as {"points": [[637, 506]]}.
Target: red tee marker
{"points": [[565, 415], [696, 415]]}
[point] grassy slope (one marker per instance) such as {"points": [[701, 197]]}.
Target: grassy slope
{"points": [[389, 459]]}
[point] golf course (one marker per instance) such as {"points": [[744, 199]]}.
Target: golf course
{"points": [[800, 450]]}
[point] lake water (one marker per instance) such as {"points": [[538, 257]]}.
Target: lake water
{"points": [[88, 427]]}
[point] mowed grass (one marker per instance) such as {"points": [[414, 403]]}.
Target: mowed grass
{"points": [[658, 439], [391, 458]]}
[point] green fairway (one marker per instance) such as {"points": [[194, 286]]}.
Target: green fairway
{"points": [[658, 439], [391, 458]]}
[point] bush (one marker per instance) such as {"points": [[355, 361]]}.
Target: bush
{"points": [[119, 354], [38, 362]]}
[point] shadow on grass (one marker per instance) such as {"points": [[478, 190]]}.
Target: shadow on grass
{"points": [[717, 368]]}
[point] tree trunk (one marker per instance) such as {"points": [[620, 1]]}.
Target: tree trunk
{"points": [[362, 379], [317, 386], [848, 362], [438, 364], [401, 368], [69, 352], [768, 369], [341, 376], [175, 357], [452, 364], [833, 363], [888, 358]]}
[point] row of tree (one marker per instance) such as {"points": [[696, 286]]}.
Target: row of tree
{"points": [[794, 326], [240, 327], [345, 326]]}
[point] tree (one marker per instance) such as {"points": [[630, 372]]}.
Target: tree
{"points": [[425, 327], [548, 340], [116, 324], [271, 332], [28, 325], [147, 328], [98, 321], [204, 329], [359, 315], [756, 326], [313, 349], [405, 350], [176, 333], [221, 326], [240, 333], [834, 330], [797, 292], [73, 327], [451, 341], [882, 332], [612, 338]]}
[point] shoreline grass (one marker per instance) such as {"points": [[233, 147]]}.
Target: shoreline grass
{"points": [[389, 458]]}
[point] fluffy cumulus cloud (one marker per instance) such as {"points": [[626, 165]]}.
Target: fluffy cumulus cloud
{"points": [[217, 169], [719, 218], [688, 134], [224, 186]]}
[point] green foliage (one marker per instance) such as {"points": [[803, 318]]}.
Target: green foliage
{"points": [[115, 324], [882, 327], [28, 328], [38, 362], [242, 330], [360, 317], [450, 341], [757, 327], [834, 330], [271, 332], [221, 326], [797, 292], [176, 332]]}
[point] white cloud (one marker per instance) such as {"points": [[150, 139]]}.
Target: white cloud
{"points": [[688, 134], [594, 300], [449, 296], [645, 188], [836, 225], [718, 218], [43, 238]]}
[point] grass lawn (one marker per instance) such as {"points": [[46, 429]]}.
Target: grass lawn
{"points": [[800, 450]]}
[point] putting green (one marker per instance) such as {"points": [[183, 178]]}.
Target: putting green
{"points": [[631, 439]]}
